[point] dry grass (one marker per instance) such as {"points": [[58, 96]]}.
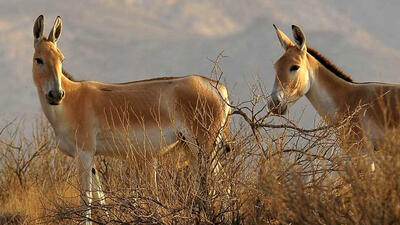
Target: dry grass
{"points": [[284, 175], [277, 173]]}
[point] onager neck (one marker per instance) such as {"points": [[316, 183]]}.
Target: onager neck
{"points": [[327, 91]]}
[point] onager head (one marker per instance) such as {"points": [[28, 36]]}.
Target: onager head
{"points": [[292, 78], [47, 61]]}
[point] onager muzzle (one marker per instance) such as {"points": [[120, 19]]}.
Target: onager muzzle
{"points": [[54, 97], [276, 105]]}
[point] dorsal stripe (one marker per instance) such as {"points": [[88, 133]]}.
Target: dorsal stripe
{"points": [[329, 65]]}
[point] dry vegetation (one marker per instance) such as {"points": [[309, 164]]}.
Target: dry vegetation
{"points": [[284, 175], [277, 173]]}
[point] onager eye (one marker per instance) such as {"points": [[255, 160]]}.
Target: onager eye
{"points": [[39, 61], [294, 68]]}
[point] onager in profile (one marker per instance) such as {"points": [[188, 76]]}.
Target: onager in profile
{"points": [[92, 118]]}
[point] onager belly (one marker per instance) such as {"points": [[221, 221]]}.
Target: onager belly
{"points": [[138, 141]]}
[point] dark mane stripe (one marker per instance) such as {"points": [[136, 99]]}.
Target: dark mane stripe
{"points": [[68, 75], [329, 65]]}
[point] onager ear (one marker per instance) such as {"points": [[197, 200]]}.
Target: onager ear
{"points": [[285, 41], [55, 32], [299, 38], [38, 29]]}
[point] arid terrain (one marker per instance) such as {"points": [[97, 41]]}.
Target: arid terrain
{"points": [[288, 169]]}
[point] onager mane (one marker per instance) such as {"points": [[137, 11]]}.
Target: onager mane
{"points": [[68, 75], [329, 65]]}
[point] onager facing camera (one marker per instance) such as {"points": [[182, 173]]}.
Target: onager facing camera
{"points": [[92, 118]]}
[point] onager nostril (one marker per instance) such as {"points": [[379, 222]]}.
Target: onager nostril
{"points": [[50, 94], [273, 103], [55, 95]]}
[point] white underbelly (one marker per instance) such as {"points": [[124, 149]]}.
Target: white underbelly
{"points": [[121, 143]]}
